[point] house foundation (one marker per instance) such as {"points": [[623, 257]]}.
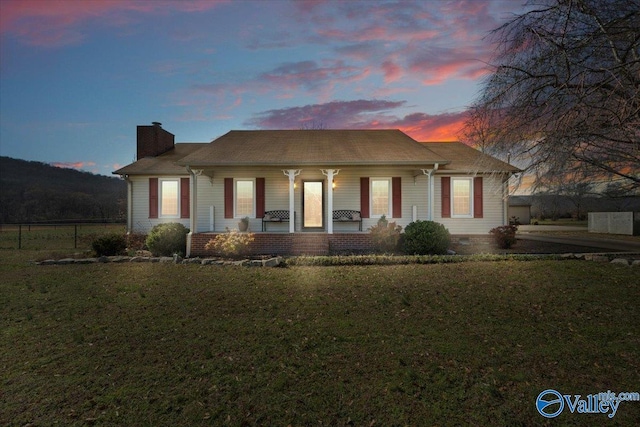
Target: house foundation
{"points": [[316, 243], [293, 243]]}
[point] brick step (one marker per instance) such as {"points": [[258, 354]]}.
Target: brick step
{"points": [[310, 244]]}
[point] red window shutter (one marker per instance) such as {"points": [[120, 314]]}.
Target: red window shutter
{"points": [[153, 197], [364, 197], [396, 191], [260, 197], [184, 198], [477, 197], [445, 184], [228, 197]]}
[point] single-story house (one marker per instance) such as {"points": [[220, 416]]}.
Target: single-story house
{"points": [[311, 191]]}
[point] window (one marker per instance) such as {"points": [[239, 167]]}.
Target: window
{"points": [[169, 197], [380, 197], [244, 198], [461, 200]]}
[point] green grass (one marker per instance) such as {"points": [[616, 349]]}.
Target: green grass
{"points": [[448, 344]]}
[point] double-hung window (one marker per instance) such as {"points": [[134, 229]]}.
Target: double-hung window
{"points": [[170, 198], [245, 197], [461, 197], [380, 197]]}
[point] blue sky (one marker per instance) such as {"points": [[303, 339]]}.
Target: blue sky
{"points": [[76, 77]]}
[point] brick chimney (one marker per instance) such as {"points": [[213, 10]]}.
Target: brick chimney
{"points": [[153, 140]]}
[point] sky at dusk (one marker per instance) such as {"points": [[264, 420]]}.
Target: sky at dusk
{"points": [[77, 77]]}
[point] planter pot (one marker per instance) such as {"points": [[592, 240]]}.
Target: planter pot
{"points": [[243, 226]]}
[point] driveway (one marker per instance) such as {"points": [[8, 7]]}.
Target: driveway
{"points": [[578, 236]]}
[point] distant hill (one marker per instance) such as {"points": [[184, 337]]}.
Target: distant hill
{"points": [[35, 191]]}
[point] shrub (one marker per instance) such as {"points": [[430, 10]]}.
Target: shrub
{"points": [[109, 244], [504, 236], [385, 235], [231, 244], [426, 237], [168, 239]]}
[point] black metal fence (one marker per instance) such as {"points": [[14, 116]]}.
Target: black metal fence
{"points": [[58, 235]]}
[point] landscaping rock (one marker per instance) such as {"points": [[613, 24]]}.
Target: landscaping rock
{"points": [[255, 263], [635, 263], [597, 258], [103, 259], [139, 259], [156, 259], [207, 261], [86, 260], [177, 259], [165, 259], [620, 261], [118, 259], [192, 261], [272, 262], [65, 261], [47, 262], [568, 256]]}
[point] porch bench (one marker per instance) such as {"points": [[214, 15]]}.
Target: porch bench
{"points": [[274, 216], [347, 215]]}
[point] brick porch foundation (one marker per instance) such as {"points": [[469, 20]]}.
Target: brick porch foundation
{"points": [[313, 243], [293, 244]]}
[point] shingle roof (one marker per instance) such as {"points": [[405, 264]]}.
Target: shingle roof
{"points": [[317, 147], [164, 164], [312, 147], [466, 159]]}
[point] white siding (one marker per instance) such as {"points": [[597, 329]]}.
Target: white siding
{"points": [[346, 196], [493, 208], [141, 223]]}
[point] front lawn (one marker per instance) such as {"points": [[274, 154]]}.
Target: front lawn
{"points": [[162, 344]]}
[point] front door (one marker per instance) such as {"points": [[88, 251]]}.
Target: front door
{"points": [[313, 204]]}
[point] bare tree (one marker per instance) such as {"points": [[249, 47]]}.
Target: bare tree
{"points": [[565, 89]]}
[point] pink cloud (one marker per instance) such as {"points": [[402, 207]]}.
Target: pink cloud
{"points": [[392, 71], [435, 65], [430, 127], [74, 165], [333, 115], [310, 75], [428, 41], [364, 114], [58, 23]]}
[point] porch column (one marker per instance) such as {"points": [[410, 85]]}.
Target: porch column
{"points": [[193, 206], [292, 173], [330, 173], [505, 199], [129, 204], [429, 173]]}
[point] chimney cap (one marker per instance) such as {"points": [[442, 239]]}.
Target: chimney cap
{"points": [[156, 124]]}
